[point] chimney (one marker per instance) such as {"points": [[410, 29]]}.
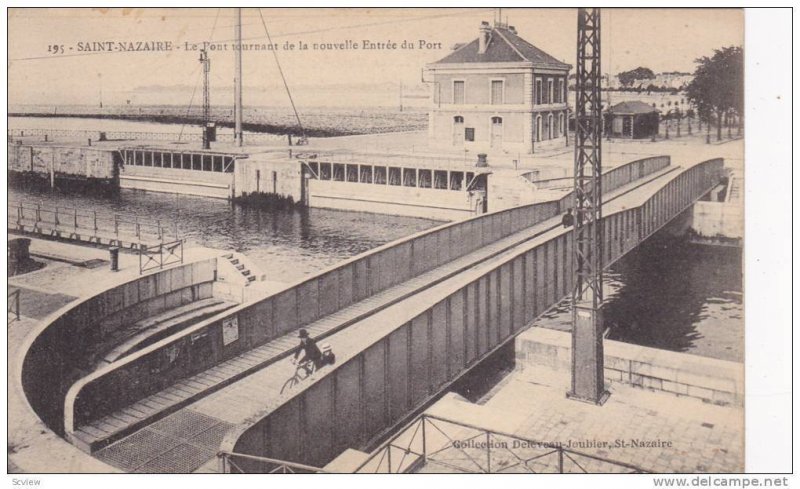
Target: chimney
{"points": [[483, 38]]}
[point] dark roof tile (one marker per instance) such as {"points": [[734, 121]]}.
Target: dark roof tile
{"points": [[505, 46]]}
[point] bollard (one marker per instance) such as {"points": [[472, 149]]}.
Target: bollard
{"points": [[114, 255]]}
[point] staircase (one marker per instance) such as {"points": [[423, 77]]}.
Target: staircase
{"points": [[734, 189], [236, 260]]}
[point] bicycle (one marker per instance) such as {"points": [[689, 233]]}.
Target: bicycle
{"points": [[307, 367], [303, 371]]}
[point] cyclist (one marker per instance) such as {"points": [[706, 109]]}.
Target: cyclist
{"points": [[309, 346]]}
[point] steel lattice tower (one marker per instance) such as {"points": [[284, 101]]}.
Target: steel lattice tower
{"points": [[587, 293], [206, 97]]}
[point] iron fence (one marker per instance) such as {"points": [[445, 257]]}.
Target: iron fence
{"points": [[89, 225], [228, 465], [160, 255], [435, 444], [13, 306]]}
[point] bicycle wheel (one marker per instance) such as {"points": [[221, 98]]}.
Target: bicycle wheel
{"points": [[289, 384]]}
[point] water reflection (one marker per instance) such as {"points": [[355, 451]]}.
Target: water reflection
{"points": [[286, 243], [674, 295]]}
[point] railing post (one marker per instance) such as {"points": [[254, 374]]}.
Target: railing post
{"points": [[488, 453], [424, 442], [140, 260], [56, 216], [38, 213], [560, 460], [389, 457], [136, 228], [19, 214], [75, 218], [94, 221], [158, 223]]}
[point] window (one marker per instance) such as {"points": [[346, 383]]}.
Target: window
{"points": [[538, 93], [380, 175], [550, 91], [458, 119], [561, 96], [313, 167], [394, 176], [352, 173], [366, 174], [470, 178], [497, 120], [409, 177], [456, 180], [338, 172], [497, 92], [424, 179], [458, 92], [469, 134], [440, 179], [324, 171]]}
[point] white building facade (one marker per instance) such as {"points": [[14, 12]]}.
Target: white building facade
{"points": [[498, 93]]}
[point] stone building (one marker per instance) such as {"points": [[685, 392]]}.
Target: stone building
{"points": [[498, 93]]}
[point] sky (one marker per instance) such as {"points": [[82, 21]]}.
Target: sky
{"points": [[48, 62]]}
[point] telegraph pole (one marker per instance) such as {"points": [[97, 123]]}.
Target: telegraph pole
{"points": [[206, 98], [588, 384], [237, 82]]}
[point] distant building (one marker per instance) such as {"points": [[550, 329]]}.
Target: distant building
{"points": [[498, 93], [631, 119]]}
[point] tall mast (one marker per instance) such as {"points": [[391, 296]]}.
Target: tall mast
{"points": [[237, 82], [588, 383]]}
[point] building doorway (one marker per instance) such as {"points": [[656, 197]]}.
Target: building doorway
{"points": [[458, 131], [538, 128], [497, 132]]}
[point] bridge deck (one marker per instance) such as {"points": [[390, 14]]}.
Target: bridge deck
{"points": [[249, 386]]}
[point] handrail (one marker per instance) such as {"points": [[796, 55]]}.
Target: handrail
{"points": [[160, 255], [13, 305], [283, 466], [72, 219], [484, 465]]}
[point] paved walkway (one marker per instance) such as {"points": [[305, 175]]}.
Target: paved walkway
{"points": [[694, 436], [645, 430]]}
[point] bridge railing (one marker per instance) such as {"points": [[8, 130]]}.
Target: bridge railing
{"points": [[71, 221], [427, 345], [340, 286]]}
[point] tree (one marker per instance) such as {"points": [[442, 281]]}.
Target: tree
{"points": [[718, 84], [626, 78]]}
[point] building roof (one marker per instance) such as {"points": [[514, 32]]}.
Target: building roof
{"points": [[504, 46], [632, 107]]}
